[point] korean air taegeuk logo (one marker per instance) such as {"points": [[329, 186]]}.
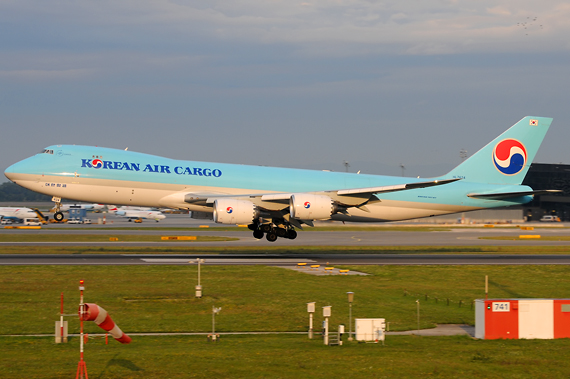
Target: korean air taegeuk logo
{"points": [[509, 156]]}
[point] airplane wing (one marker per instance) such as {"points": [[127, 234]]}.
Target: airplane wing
{"points": [[344, 196], [295, 208], [399, 187], [347, 197]]}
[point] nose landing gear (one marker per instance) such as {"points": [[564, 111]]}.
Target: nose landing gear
{"points": [[58, 215]]}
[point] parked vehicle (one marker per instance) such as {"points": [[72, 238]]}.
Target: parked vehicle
{"points": [[549, 218], [32, 222]]}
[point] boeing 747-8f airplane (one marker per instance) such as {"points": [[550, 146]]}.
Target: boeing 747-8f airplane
{"points": [[275, 201]]}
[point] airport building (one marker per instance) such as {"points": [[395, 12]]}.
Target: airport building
{"points": [[548, 176]]}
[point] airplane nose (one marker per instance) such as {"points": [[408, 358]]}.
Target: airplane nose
{"points": [[10, 171], [22, 167]]}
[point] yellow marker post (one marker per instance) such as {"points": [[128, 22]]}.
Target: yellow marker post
{"points": [[178, 238]]}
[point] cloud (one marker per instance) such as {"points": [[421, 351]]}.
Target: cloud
{"points": [[352, 26], [45, 75]]}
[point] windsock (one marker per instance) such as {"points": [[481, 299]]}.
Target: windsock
{"points": [[93, 312]]}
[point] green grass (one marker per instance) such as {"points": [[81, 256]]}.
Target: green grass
{"points": [[515, 238], [257, 298], [286, 357], [98, 238], [289, 250]]}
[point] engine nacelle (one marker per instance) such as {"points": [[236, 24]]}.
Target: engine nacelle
{"points": [[311, 207], [231, 211]]}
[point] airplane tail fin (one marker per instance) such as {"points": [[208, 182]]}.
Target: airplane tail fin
{"points": [[507, 158]]}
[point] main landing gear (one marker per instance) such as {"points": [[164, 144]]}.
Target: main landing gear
{"points": [[273, 231]]}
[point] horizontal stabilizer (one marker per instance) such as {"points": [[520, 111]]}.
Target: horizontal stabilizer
{"points": [[509, 195]]}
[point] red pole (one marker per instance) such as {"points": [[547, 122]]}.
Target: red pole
{"points": [[486, 287], [61, 318], [81, 367]]}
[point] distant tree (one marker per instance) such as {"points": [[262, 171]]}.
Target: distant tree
{"points": [[13, 192]]}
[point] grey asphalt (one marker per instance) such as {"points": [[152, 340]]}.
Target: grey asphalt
{"points": [[284, 259], [462, 236], [458, 236]]}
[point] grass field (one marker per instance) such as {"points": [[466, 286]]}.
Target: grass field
{"points": [[287, 357], [257, 298], [14, 237], [298, 250]]}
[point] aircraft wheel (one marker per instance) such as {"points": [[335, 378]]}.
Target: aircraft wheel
{"points": [[291, 234], [281, 232], [271, 236], [252, 227], [266, 228], [58, 216], [258, 234]]}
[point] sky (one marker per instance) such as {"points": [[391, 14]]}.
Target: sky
{"points": [[308, 84]]}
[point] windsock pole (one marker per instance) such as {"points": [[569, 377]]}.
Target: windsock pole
{"points": [[81, 368], [61, 319]]}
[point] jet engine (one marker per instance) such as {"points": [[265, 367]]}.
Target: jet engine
{"points": [[231, 211], [311, 207]]}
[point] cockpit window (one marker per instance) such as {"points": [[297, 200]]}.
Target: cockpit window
{"points": [[47, 151]]}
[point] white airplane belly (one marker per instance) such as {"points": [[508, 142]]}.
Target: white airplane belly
{"points": [[391, 210]]}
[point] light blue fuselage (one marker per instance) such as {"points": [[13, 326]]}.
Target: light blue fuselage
{"points": [[111, 176]]}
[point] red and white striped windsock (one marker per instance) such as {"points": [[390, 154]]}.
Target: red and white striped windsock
{"points": [[93, 312]]}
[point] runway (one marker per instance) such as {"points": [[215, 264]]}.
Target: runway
{"points": [[450, 236], [285, 259]]}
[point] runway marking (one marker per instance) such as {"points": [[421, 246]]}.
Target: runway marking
{"points": [[230, 260], [324, 271]]}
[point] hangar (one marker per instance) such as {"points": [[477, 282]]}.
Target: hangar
{"points": [[548, 176]]}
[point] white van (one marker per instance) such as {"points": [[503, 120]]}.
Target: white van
{"points": [[549, 218], [32, 222]]}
